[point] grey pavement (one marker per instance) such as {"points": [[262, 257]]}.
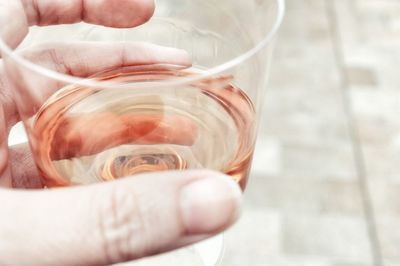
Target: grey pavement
{"points": [[325, 186]]}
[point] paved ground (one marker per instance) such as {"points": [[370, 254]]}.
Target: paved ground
{"points": [[325, 189]]}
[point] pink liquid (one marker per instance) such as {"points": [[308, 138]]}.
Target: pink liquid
{"points": [[84, 135]]}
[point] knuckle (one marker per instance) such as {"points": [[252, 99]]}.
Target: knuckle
{"points": [[47, 55], [122, 226]]}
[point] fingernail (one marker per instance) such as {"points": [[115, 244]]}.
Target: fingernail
{"points": [[210, 204]]}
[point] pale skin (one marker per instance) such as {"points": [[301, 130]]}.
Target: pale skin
{"points": [[110, 222]]}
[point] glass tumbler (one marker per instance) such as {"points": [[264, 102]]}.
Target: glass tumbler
{"points": [[105, 103]]}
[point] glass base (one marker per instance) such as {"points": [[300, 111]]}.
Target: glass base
{"points": [[206, 253]]}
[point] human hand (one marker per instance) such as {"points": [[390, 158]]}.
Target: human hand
{"points": [[109, 222]]}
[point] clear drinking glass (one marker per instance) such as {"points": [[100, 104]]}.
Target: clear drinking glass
{"points": [[124, 119]]}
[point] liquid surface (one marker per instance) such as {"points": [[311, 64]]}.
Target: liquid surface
{"points": [[83, 135]]}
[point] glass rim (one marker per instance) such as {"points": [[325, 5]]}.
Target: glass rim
{"points": [[69, 79]]}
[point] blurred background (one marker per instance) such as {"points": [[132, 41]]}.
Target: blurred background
{"points": [[325, 186]]}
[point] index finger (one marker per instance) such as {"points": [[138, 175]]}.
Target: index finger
{"points": [[113, 13], [17, 15]]}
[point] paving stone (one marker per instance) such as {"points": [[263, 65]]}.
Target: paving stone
{"points": [[334, 236], [254, 238], [315, 162], [303, 194], [279, 261], [389, 237], [305, 115], [382, 163], [361, 77], [386, 197]]}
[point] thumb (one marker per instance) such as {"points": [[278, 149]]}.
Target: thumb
{"points": [[117, 221]]}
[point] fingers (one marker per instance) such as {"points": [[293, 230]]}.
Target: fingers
{"points": [[81, 59], [16, 16], [117, 221], [113, 13], [13, 21]]}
